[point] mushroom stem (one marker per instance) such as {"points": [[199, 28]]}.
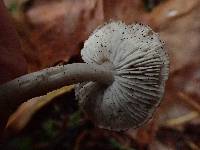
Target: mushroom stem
{"points": [[39, 83]]}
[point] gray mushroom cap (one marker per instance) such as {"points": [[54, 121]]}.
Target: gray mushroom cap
{"points": [[140, 67]]}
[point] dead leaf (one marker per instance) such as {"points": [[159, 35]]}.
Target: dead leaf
{"points": [[26, 110], [170, 10], [128, 11], [55, 31], [12, 62], [178, 25]]}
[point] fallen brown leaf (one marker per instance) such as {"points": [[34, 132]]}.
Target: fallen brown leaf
{"points": [[178, 25], [128, 11], [26, 110], [55, 31], [12, 62]]}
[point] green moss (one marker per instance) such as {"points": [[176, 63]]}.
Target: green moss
{"points": [[23, 143], [50, 128], [116, 145], [13, 7], [74, 119]]}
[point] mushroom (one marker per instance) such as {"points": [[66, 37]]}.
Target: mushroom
{"points": [[119, 86]]}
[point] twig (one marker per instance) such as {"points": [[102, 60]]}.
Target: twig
{"points": [[189, 101], [182, 119]]}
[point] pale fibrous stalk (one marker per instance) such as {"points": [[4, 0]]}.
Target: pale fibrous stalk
{"points": [[39, 83]]}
